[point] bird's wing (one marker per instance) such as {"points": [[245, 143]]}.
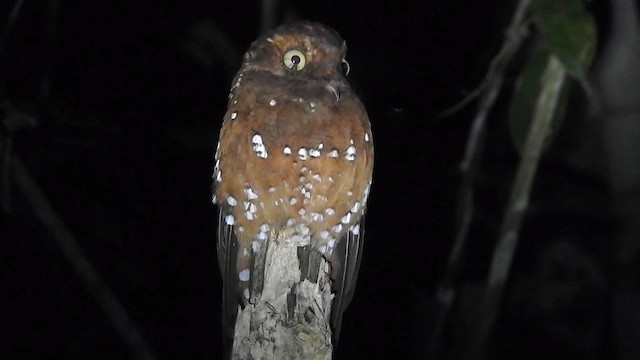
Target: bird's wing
{"points": [[349, 254], [227, 249]]}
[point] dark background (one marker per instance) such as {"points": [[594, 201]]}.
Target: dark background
{"points": [[129, 97]]}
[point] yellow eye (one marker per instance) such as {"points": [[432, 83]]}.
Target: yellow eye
{"points": [[294, 60]]}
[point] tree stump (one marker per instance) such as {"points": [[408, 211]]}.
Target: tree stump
{"points": [[290, 320]]}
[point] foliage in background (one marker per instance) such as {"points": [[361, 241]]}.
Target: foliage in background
{"points": [[565, 30]]}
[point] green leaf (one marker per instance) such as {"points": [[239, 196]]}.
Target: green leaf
{"points": [[526, 94], [569, 32]]}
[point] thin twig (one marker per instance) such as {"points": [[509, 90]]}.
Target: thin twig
{"points": [[498, 64], [553, 80], [13, 16], [5, 174], [446, 292], [268, 14], [73, 252], [51, 51]]}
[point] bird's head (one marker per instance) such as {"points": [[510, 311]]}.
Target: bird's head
{"points": [[301, 49]]}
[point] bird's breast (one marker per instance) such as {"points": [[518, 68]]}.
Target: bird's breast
{"points": [[291, 158]]}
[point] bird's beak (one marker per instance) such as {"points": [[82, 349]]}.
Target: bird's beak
{"points": [[335, 91]]}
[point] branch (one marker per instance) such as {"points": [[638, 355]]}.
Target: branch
{"points": [[290, 320], [268, 14], [488, 92], [13, 16], [553, 79]]}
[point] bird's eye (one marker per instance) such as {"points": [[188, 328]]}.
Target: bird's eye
{"points": [[345, 67], [294, 60]]}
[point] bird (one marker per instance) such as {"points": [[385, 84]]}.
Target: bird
{"points": [[295, 154]]}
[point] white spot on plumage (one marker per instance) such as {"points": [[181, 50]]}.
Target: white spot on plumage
{"points": [[350, 153], [245, 293], [234, 115], [255, 246], [302, 211], [331, 243], [258, 146], [322, 249], [366, 193], [329, 211], [349, 193], [324, 234], [244, 275], [261, 151], [293, 201], [249, 215], [262, 236], [271, 189], [355, 229], [214, 198], [291, 222], [337, 229], [346, 219], [366, 137], [333, 153], [314, 153], [320, 146], [316, 177], [251, 194], [302, 179], [229, 219], [302, 154], [287, 150], [355, 207], [231, 201], [273, 102], [253, 208], [264, 227], [317, 217]]}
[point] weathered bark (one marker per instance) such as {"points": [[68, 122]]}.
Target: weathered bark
{"points": [[290, 320]]}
